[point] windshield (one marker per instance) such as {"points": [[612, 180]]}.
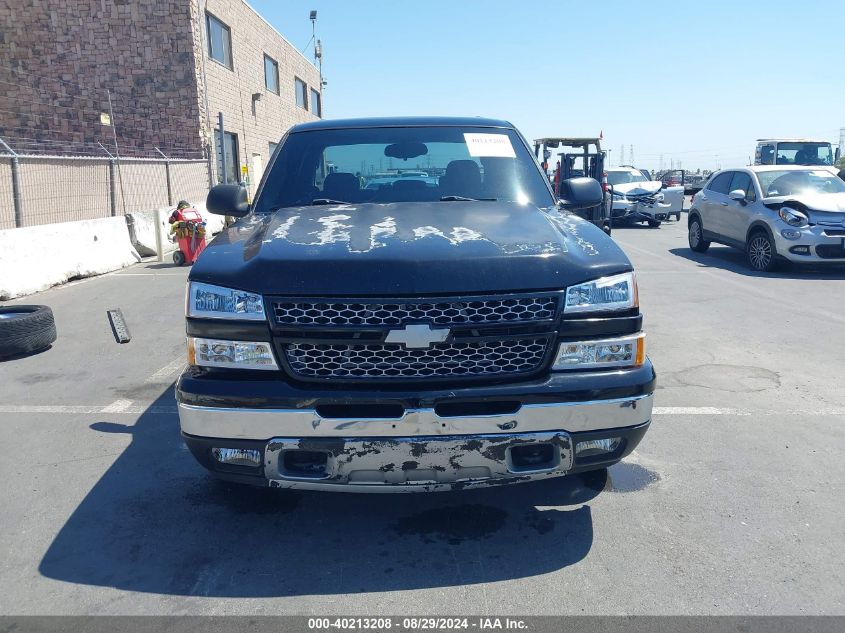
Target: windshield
{"points": [[804, 154], [624, 177], [410, 164], [794, 182]]}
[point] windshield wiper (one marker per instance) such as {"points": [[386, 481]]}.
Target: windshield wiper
{"points": [[323, 201], [465, 199]]}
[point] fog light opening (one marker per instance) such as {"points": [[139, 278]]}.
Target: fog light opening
{"points": [[530, 457], [590, 448], [305, 464], [800, 250], [237, 456]]}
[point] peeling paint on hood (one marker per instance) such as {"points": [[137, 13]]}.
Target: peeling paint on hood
{"points": [[411, 248]]}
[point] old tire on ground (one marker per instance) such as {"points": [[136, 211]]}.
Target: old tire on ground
{"points": [[695, 236], [25, 329], [178, 258], [761, 252]]}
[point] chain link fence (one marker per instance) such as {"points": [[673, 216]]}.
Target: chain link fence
{"points": [[40, 189]]}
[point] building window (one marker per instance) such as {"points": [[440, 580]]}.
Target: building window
{"points": [[219, 41], [271, 74], [316, 106], [301, 93], [232, 174], [272, 146]]}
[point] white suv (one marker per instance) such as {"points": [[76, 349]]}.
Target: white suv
{"points": [[772, 212]]}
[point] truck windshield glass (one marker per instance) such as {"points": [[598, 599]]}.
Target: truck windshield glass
{"points": [[804, 154], [624, 177], [790, 183], [412, 164]]}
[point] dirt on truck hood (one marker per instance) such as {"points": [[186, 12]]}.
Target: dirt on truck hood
{"points": [[408, 248]]}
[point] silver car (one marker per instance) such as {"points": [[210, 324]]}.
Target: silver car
{"points": [[773, 213]]}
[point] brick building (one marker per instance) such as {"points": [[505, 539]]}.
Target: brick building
{"points": [[169, 66]]}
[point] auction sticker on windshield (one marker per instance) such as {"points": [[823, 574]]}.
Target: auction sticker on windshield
{"points": [[489, 145]]}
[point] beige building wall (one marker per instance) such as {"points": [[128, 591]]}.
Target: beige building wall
{"points": [[231, 91]]}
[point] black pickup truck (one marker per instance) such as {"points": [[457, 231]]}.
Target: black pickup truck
{"points": [[451, 330]]}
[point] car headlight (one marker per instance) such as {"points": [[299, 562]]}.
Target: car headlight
{"points": [[230, 354], [214, 302], [659, 197], [793, 217], [618, 292], [619, 352]]}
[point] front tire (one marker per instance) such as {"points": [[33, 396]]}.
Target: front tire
{"points": [[761, 252], [696, 237], [654, 223]]}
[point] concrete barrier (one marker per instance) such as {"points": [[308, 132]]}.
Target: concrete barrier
{"points": [[38, 257], [142, 228]]}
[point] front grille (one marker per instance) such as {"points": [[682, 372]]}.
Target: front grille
{"points": [[390, 361], [448, 312], [830, 251]]}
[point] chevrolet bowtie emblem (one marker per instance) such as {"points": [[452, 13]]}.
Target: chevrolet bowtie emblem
{"points": [[417, 336]]}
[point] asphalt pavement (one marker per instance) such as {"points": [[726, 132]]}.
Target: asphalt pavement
{"points": [[732, 504]]}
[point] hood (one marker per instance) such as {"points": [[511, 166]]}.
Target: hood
{"points": [[408, 249], [824, 208], [647, 187]]}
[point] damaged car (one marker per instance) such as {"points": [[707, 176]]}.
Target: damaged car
{"points": [[411, 337], [638, 198], [774, 213]]}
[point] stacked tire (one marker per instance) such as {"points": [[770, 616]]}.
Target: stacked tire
{"points": [[25, 330]]}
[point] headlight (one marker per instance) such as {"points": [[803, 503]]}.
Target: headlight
{"points": [[213, 302], [793, 217], [659, 197], [232, 354], [619, 352], [608, 293]]}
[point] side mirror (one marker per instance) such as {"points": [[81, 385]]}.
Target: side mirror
{"points": [[737, 194], [228, 200], [580, 193]]}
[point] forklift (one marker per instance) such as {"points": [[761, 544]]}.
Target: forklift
{"points": [[585, 158]]}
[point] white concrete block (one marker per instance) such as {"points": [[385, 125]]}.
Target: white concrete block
{"points": [[142, 231], [37, 257]]}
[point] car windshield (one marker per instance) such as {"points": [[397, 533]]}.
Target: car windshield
{"points": [[804, 154], [624, 177], [795, 182], [403, 164]]}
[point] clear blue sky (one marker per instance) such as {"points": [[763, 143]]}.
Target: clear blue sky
{"points": [[696, 82]]}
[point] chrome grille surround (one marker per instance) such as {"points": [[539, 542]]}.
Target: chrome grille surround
{"points": [[397, 312], [386, 361]]}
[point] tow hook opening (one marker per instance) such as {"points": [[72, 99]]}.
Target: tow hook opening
{"points": [[304, 464], [533, 457]]}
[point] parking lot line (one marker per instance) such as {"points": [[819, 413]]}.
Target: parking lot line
{"points": [[132, 409], [118, 406], [168, 370]]}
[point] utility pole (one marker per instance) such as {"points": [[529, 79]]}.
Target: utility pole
{"points": [[631, 147], [621, 155]]}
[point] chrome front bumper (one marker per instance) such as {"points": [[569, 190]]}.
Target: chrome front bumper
{"points": [[417, 463], [419, 451]]}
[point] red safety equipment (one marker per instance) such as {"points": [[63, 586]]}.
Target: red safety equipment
{"points": [[188, 227]]}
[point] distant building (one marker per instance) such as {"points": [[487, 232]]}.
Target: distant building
{"points": [[170, 66]]}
